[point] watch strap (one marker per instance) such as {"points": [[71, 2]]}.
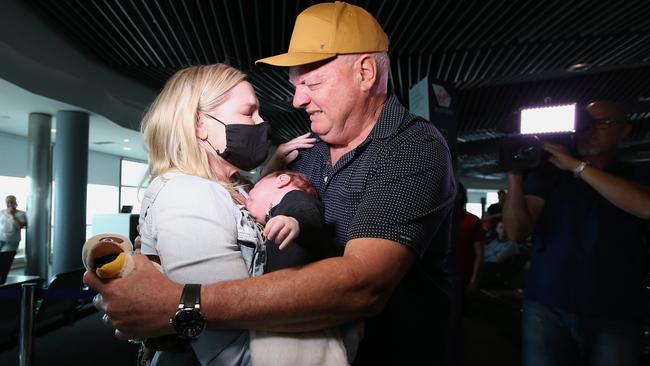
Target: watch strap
{"points": [[577, 171], [191, 296]]}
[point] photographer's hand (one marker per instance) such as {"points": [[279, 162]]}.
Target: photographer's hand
{"points": [[560, 157]]}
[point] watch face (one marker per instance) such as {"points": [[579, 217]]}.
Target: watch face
{"points": [[188, 323]]}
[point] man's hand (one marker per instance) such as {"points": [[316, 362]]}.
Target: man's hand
{"points": [[560, 157], [140, 305], [282, 230], [288, 152]]}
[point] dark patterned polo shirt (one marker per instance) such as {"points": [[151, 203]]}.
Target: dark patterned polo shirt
{"points": [[397, 185]]}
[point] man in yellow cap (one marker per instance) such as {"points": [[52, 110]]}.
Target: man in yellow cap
{"points": [[387, 184]]}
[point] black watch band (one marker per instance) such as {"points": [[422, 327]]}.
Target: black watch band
{"points": [[191, 296], [189, 322]]}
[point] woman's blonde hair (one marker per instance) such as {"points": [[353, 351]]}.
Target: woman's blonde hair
{"points": [[169, 127]]}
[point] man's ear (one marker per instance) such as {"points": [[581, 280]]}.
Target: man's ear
{"points": [[367, 71], [282, 180]]}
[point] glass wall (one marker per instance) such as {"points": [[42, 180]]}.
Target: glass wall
{"points": [[100, 199], [474, 197], [132, 184]]}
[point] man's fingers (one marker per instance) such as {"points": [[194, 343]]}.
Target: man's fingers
{"points": [[121, 336], [143, 263], [98, 302], [107, 321], [94, 282]]}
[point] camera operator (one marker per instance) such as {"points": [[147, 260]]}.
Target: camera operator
{"points": [[584, 296]]}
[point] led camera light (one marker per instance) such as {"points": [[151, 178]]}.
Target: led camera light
{"points": [[552, 119]]}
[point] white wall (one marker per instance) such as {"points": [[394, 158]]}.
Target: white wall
{"points": [[14, 150], [102, 168]]}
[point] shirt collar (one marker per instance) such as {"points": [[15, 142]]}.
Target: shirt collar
{"points": [[390, 119]]}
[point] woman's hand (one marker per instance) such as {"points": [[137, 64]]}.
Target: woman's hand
{"points": [[288, 152], [139, 305], [282, 230]]}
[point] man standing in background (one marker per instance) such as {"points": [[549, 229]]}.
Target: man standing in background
{"points": [[12, 220]]}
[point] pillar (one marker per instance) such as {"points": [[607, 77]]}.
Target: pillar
{"points": [[39, 174], [70, 182]]}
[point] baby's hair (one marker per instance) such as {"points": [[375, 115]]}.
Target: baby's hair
{"points": [[299, 180]]}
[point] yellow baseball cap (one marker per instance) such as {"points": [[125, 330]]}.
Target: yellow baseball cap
{"points": [[325, 30]]}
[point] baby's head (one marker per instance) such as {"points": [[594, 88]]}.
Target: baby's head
{"points": [[270, 190]]}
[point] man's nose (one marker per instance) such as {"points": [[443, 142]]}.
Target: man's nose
{"points": [[300, 98]]}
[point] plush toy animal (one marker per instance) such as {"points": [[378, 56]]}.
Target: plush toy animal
{"points": [[111, 256], [108, 255]]}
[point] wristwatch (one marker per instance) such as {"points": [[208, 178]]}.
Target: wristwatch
{"points": [[189, 322], [577, 171]]}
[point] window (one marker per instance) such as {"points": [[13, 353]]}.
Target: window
{"points": [[133, 174], [100, 199], [475, 208], [474, 197]]}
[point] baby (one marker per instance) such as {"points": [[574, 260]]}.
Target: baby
{"points": [[287, 204]]}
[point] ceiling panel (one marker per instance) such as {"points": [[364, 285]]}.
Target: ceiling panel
{"points": [[499, 55]]}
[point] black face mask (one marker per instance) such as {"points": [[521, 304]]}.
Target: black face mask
{"points": [[246, 145]]}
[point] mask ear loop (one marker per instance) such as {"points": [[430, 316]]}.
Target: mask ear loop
{"points": [[207, 135]]}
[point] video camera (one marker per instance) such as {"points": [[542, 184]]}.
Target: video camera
{"points": [[553, 123]]}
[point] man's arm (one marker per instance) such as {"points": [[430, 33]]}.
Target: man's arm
{"points": [[320, 295], [631, 197], [17, 221], [520, 213]]}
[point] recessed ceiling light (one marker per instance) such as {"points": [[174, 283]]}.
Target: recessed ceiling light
{"points": [[126, 148], [125, 140], [53, 130], [583, 66]]}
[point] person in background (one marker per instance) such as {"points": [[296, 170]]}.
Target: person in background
{"points": [[12, 220], [588, 213], [500, 248], [471, 243], [493, 214]]}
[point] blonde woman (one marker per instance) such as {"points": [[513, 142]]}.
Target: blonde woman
{"points": [[201, 130]]}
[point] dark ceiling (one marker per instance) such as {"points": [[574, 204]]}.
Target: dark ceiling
{"points": [[499, 55]]}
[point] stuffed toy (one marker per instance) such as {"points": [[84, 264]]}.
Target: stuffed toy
{"points": [[108, 256], [111, 256]]}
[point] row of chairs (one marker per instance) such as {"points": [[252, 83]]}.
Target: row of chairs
{"points": [[61, 301]]}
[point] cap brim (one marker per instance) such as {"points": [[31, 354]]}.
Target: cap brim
{"points": [[295, 58]]}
